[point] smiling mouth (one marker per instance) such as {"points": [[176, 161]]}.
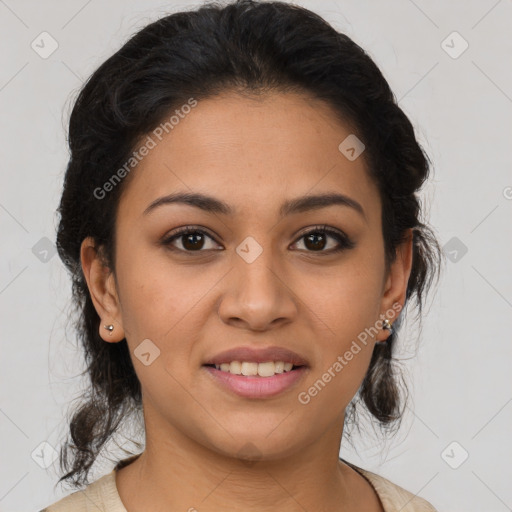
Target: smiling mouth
{"points": [[252, 369], [252, 380]]}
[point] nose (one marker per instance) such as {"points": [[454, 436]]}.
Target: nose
{"points": [[256, 296]]}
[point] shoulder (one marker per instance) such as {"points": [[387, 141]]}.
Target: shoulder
{"points": [[394, 497], [99, 495]]}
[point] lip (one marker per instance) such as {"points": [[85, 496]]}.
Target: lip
{"points": [[259, 355], [257, 387]]}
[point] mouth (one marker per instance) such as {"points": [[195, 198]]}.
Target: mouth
{"points": [[247, 356], [256, 374], [264, 370], [256, 386]]}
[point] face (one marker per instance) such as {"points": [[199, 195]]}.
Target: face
{"points": [[254, 277]]}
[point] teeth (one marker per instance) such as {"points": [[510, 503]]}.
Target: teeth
{"points": [[267, 369], [249, 369]]}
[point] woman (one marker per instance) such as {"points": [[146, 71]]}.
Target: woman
{"points": [[257, 135]]}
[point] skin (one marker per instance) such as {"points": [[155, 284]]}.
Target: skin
{"points": [[253, 154]]}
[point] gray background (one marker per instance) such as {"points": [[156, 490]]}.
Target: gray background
{"points": [[461, 108]]}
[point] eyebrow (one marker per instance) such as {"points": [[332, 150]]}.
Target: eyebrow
{"points": [[301, 204]]}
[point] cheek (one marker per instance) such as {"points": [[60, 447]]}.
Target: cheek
{"points": [[347, 302], [342, 356], [347, 299], [154, 296], [167, 306], [160, 316]]}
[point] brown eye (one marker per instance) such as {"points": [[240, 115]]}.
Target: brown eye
{"points": [[316, 240], [190, 239]]}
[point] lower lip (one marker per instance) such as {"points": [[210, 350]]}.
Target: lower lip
{"points": [[257, 387]]}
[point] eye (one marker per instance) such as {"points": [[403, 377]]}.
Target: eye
{"points": [[191, 239], [315, 240]]}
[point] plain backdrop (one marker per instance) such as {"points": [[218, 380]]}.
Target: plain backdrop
{"points": [[448, 64]]}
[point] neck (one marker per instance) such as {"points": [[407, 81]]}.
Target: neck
{"points": [[177, 473]]}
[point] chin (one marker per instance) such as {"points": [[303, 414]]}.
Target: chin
{"points": [[257, 445]]}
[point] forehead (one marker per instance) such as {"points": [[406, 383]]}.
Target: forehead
{"points": [[249, 151]]}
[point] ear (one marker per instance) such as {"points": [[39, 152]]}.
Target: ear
{"points": [[395, 287], [102, 288]]}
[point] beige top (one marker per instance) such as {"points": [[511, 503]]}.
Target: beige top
{"points": [[102, 495]]}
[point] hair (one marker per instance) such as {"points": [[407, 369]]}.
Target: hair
{"points": [[250, 48]]}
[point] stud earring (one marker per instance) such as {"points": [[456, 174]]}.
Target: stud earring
{"points": [[109, 328], [386, 324]]}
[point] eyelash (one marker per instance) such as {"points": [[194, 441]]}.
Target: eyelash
{"points": [[343, 240]]}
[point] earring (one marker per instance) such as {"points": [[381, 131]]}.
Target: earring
{"points": [[109, 328], [387, 325]]}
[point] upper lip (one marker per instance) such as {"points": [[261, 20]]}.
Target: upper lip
{"points": [[258, 355]]}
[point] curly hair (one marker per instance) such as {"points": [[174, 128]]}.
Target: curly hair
{"points": [[250, 47]]}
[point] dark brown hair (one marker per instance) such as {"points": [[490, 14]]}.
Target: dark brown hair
{"points": [[251, 47]]}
